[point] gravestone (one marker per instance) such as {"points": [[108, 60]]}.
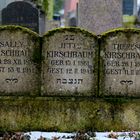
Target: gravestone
{"points": [[72, 22], [70, 62], [73, 69], [128, 7], [21, 13], [138, 18], [52, 24], [99, 15], [120, 53], [19, 68]]}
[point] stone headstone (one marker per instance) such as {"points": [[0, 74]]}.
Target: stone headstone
{"points": [[52, 24], [19, 68], [138, 17], [72, 22], [21, 13], [128, 7], [70, 63], [120, 53], [99, 15]]}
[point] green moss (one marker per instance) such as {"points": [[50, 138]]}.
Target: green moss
{"points": [[128, 25], [14, 28], [37, 51], [49, 114], [45, 5], [119, 30], [69, 29], [129, 21], [66, 114]]}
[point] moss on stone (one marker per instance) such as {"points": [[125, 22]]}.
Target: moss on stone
{"points": [[69, 29], [32, 35], [14, 28], [104, 40], [129, 21], [62, 113], [49, 114], [37, 51], [121, 30], [66, 114], [83, 35]]}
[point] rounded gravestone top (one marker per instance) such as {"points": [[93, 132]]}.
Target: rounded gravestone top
{"points": [[70, 62]]}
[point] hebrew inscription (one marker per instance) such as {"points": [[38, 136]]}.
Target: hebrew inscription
{"points": [[18, 71], [121, 58], [68, 65]]}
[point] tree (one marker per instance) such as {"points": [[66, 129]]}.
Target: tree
{"points": [[46, 6]]}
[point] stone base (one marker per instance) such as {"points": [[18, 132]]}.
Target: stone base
{"points": [[68, 114]]}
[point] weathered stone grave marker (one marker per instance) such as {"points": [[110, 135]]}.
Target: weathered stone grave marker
{"points": [[70, 62], [70, 72], [120, 52], [128, 6], [73, 22], [21, 13], [99, 15], [19, 67]]}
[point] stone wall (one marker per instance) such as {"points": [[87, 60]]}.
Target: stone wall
{"points": [[69, 80]]}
